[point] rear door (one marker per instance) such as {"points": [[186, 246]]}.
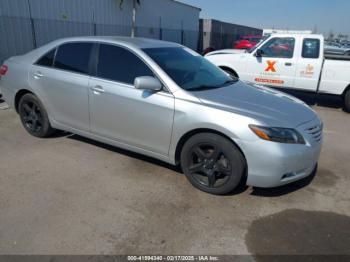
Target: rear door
{"points": [[309, 64], [277, 64], [61, 79]]}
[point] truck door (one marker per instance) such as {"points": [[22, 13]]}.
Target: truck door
{"points": [[309, 64], [274, 63]]}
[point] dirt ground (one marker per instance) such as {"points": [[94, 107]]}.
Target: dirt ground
{"points": [[71, 195]]}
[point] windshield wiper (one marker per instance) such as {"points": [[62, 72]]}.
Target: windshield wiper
{"points": [[208, 87], [202, 87]]}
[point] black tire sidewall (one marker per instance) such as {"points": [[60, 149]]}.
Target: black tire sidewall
{"points": [[46, 129], [233, 154], [347, 101], [231, 73]]}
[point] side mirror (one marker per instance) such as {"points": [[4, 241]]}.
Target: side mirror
{"points": [[148, 83], [259, 53]]}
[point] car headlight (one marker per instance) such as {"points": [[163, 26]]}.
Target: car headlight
{"points": [[277, 134]]}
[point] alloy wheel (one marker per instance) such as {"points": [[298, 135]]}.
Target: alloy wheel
{"points": [[209, 165], [32, 117]]}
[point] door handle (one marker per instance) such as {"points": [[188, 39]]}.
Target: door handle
{"points": [[38, 75], [288, 64], [97, 89]]}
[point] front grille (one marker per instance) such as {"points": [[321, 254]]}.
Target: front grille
{"points": [[315, 132]]}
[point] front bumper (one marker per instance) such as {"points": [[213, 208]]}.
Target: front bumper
{"points": [[273, 164]]}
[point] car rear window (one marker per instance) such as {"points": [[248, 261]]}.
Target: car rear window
{"points": [[311, 48], [118, 64], [47, 59], [74, 57]]}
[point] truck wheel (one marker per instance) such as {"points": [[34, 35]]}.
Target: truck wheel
{"points": [[230, 72], [34, 117], [347, 101], [212, 163]]}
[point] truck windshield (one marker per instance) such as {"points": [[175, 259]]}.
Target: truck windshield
{"points": [[188, 69]]}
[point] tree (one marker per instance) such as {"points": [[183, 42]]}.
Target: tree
{"points": [[133, 22]]}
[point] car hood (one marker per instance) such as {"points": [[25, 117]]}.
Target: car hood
{"points": [[226, 51], [264, 104]]}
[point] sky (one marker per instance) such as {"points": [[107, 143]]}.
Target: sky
{"points": [[323, 15]]}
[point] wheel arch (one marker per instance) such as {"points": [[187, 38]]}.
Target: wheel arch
{"points": [[193, 132], [346, 90], [19, 95], [229, 69]]}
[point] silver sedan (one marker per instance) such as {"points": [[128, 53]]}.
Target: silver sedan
{"points": [[165, 101]]}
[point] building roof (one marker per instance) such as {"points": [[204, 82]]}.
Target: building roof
{"points": [[228, 23], [179, 2]]}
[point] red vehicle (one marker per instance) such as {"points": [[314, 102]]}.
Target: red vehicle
{"points": [[247, 42]]}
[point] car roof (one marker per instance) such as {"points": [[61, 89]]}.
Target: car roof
{"points": [[136, 42]]}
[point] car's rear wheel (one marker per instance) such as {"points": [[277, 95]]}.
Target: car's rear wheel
{"points": [[347, 101], [212, 163], [34, 116]]}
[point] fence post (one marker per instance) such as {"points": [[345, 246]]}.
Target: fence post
{"points": [[160, 29], [182, 32], [94, 25]]}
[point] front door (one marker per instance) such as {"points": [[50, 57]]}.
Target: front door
{"points": [[276, 66], [139, 118]]}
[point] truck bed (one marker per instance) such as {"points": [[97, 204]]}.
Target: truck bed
{"points": [[337, 57]]}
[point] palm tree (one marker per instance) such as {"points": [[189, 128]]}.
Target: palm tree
{"points": [[133, 23]]}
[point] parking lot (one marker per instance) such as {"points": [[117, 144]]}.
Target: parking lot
{"points": [[70, 195]]}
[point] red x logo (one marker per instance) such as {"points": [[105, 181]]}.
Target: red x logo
{"points": [[270, 66]]}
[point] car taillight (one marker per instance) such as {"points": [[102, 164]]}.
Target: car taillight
{"points": [[3, 70]]}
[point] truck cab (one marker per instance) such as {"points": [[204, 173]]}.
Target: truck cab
{"points": [[292, 61], [283, 60]]}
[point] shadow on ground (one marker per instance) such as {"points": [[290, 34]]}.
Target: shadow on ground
{"points": [[284, 190], [262, 192], [325, 100], [299, 232], [124, 152]]}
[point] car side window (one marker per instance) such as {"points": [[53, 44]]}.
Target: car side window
{"points": [[311, 48], [47, 59], [279, 47], [118, 64], [74, 57]]}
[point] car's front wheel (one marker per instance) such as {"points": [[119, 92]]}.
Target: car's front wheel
{"points": [[212, 163], [34, 116]]}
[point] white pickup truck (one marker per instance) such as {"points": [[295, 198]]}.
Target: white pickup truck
{"points": [[290, 61]]}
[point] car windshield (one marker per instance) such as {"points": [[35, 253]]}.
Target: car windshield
{"points": [[188, 69]]}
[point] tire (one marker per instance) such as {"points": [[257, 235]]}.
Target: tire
{"points": [[347, 101], [34, 117], [212, 163]]}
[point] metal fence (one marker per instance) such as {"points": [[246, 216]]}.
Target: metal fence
{"points": [[20, 35]]}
